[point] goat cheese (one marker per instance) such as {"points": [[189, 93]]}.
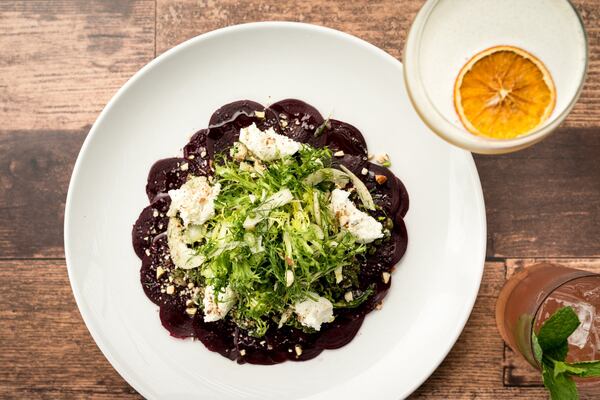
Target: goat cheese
{"points": [[360, 224], [313, 313], [194, 201], [267, 145], [216, 310], [183, 256]]}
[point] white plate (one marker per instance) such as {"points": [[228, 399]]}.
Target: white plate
{"points": [[152, 117]]}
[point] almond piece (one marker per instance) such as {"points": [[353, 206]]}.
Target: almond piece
{"points": [[381, 179]]}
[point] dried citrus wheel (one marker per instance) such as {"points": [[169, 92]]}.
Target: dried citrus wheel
{"points": [[503, 92]]}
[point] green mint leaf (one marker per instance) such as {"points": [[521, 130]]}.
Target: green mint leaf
{"points": [[590, 369], [557, 329], [561, 386], [562, 367], [537, 349], [558, 353]]}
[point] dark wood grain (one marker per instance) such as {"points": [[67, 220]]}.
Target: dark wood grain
{"points": [[47, 351], [382, 22], [545, 201], [62, 60], [587, 111], [35, 168]]}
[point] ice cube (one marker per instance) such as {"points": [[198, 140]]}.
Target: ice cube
{"points": [[592, 295], [586, 313]]}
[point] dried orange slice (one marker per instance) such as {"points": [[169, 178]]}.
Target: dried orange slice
{"points": [[503, 92]]}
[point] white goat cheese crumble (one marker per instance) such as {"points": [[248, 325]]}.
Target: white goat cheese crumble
{"points": [[182, 256], [360, 224], [216, 310], [313, 313], [194, 201], [267, 145]]}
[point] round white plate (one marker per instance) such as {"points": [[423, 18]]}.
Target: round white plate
{"points": [[153, 115]]}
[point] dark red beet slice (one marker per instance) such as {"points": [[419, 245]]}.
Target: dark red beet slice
{"points": [[400, 239], [381, 290], [226, 122], [265, 350], [386, 195], [151, 222], [240, 114], [170, 173], [283, 344], [301, 121], [217, 336], [342, 330], [341, 136], [196, 150], [159, 257], [386, 255], [354, 163], [175, 319]]}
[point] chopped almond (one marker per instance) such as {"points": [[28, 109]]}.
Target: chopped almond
{"points": [[381, 179]]}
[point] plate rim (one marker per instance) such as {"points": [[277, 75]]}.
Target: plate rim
{"points": [[142, 387]]}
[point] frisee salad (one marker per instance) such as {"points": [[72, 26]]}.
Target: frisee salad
{"points": [[276, 235]]}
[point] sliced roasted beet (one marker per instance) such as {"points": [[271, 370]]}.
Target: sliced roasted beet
{"points": [[240, 114], [196, 149], [386, 193], [170, 173], [197, 144], [342, 330], [217, 336], [226, 122], [264, 350], [400, 238], [176, 320], [341, 136], [152, 283], [376, 299], [151, 222], [298, 121], [385, 257], [354, 163], [284, 341]]}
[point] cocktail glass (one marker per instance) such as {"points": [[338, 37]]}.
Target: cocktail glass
{"points": [[533, 294], [447, 33]]}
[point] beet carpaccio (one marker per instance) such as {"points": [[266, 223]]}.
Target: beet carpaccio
{"points": [[273, 235]]}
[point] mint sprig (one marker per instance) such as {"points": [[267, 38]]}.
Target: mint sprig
{"points": [[550, 348], [560, 386]]}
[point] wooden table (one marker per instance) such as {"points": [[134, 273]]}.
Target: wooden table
{"points": [[61, 61]]}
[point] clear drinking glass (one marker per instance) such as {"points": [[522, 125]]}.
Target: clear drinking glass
{"points": [[447, 33], [529, 298]]}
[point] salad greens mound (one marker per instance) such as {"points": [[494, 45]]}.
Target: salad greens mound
{"points": [[273, 251]]}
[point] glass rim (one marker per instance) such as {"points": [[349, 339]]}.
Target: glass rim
{"points": [[584, 274], [448, 131]]}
